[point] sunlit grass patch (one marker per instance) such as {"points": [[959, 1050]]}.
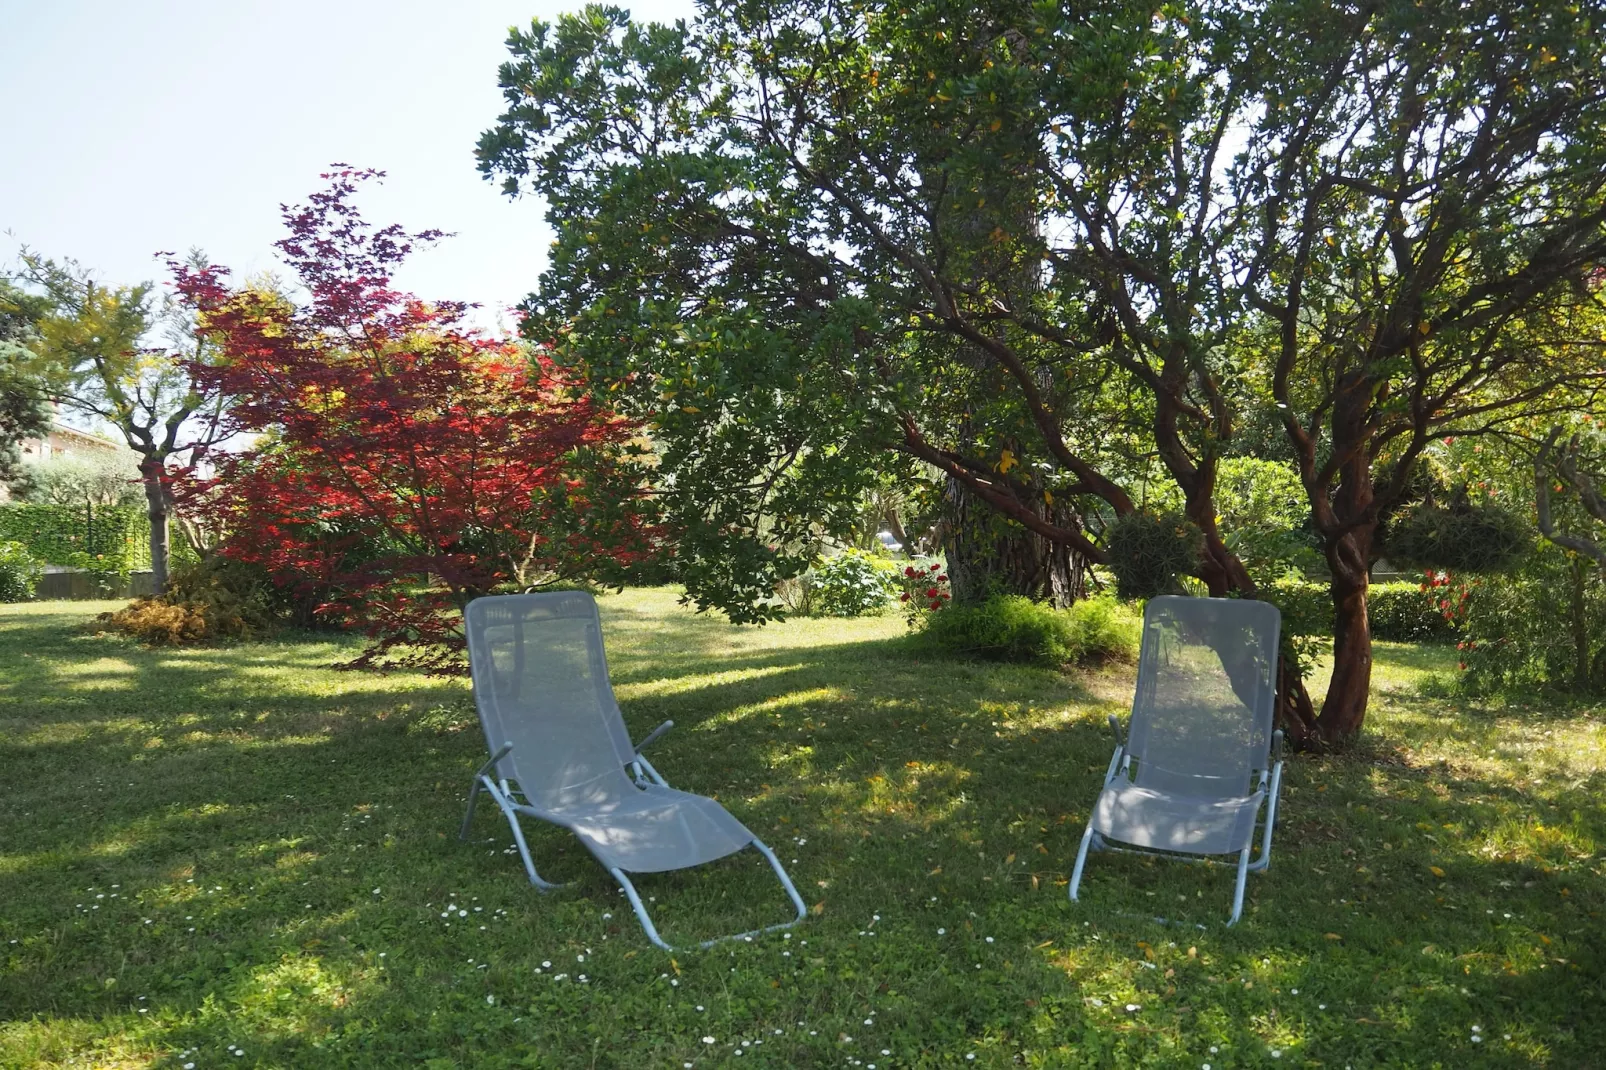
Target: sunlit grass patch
{"points": [[238, 850]]}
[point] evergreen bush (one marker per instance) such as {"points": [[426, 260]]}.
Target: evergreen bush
{"points": [[1462, 538], [853, 584], [1148, 551], [1014, 628], [19, 572]]}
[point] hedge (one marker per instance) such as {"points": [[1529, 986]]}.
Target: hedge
{"points": [[1401, 612], [55, 533]]}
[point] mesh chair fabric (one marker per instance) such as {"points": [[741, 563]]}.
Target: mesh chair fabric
{"points": [[1202, 714], [541, 683], [1200, 730]]}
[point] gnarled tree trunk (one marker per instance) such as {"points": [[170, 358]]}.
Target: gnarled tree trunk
{"points": [[990, 555], [1344, 709]]}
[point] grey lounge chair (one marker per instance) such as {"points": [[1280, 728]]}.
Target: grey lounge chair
{"points": [[1200, 759], [560, 751]]}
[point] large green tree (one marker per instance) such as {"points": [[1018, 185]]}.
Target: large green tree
{"points": [[799, 235], [1430, 180], [1034, 246]]}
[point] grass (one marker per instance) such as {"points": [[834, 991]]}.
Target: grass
{"points": [[238, 847]]}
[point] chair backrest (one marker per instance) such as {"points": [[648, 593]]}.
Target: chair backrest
{"points": [[541, 683], [1206, 695]]}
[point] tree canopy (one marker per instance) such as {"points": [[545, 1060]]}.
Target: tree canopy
{"points": [[1033, 246]]}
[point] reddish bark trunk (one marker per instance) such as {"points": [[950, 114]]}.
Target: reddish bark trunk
{"points": [[1223, 574], [1344, 709]]}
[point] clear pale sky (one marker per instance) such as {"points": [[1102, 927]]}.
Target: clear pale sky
{"points": [[128, 128]]}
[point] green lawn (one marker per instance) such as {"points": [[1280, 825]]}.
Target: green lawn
{"points": [[238, 846]]}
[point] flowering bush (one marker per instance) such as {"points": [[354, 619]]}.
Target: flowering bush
{"points": [[853, 584], [924, 590]]}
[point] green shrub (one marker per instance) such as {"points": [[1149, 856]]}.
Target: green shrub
{"points": [[1148, 551], [1014, 628], [19, 572], [1399, 612], [1404, 613], [1543, 627], [853, 584], [117, 536], [1104, 629], [1462, 538]]}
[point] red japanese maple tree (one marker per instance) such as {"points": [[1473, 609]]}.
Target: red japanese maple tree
{"points": [[406, 463]]}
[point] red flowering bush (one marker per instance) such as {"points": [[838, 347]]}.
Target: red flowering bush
{"points": [[923, 589], [405, 463]]}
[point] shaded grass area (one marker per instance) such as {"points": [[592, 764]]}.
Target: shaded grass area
{"points": [[238, 847]]}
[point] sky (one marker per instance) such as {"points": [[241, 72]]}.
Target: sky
{"points": [[128, 129]]}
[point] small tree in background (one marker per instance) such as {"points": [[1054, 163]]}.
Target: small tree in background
{"points": [[405, 464], [88, 354]]}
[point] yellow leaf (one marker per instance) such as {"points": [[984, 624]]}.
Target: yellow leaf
{"points": [[1034, 882], [934, 872], [1010, 859], [996, 124], [1045, 943], [1436, 871], [1193, 952], [818, 908], [1332, 936], [1006, 461], [673, 965], [690, 408]]}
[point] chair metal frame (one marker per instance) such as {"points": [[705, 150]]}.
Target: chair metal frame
{"points": [[1268, 787], [507, 797]]}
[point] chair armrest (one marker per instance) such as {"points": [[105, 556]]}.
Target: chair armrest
{"points": [[654, 734], [1115, 727], [1277, 746], [498, 756]]}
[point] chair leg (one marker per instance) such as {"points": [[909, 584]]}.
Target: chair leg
{"points": [[1264, 861], [652, 930], [639, 907], [1081, 860], [1238, 892], [786, 882], [468, 817], [511, 812], [474, 792]]}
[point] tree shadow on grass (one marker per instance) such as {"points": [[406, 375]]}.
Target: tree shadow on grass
{"points": [[905, 794]]}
